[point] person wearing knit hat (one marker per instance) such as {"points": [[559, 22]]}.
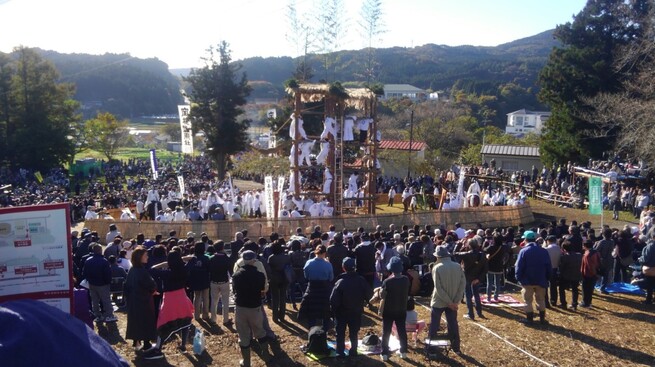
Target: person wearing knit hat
{"points": [[347, 300], [449, 285], [395, 290]]}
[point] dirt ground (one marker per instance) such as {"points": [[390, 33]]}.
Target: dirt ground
{"points": [[617, 331]]}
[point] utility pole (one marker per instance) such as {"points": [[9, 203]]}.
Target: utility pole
{"points": [[411, 140]]}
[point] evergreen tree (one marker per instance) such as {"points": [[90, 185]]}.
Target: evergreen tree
{"points": [[41, 112], [218, 93], [580, 69]]}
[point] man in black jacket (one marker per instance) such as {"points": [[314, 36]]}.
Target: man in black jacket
{"points": [[249, 286], [235, 247], [337, 253], [97, 272], [365, 257], [219, 270], [349, 295]]}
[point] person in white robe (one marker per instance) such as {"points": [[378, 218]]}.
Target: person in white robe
{"points": [[329, 128], [328, 210], [352, 182], [348, 126], [327, 180], [315, 210], [323, 154], [305, 152], [301, 130]]}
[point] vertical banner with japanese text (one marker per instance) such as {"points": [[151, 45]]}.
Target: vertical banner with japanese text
{"points": [[186, 128], [268, 193], [595, 195], [180, 181]]}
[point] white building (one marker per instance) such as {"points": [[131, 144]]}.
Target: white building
{"points": [[404, 90], [522, 122]]}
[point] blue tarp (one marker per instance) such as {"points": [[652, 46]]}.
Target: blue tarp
{"points": [[626, 288]]}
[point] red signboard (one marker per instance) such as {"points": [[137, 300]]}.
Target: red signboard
{"points": [[29, 269], [54, 264], [23, 243]]}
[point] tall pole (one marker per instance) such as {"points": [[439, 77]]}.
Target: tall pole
{"points": [[411, 140]]}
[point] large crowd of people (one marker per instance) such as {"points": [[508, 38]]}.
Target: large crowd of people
{"points": [[130, 186], [336, 273]]}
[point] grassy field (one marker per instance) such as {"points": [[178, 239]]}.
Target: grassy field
{"points": [[129, 153]]}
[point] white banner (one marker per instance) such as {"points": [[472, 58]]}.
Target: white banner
{"points": [[268, 193], [35, 255], [180, 181], [233, 198], [153, 164], [186, 127], [280, 183]]}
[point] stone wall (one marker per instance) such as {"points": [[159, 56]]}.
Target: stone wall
{"points": [[487, 216]]}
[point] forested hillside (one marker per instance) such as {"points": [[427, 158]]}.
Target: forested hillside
{"points": [[125, 86], [435, 67], [129, 87]]}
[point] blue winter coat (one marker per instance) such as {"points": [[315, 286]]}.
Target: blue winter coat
{"points": [[533, 266]]}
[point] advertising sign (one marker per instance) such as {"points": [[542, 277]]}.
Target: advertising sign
{"points": [[36, 255]]}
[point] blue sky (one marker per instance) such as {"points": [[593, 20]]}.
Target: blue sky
{"points": [[179, 32]]}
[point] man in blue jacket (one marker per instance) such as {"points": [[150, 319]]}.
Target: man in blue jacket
{"points": [[349, 295], [533, 272], [97, 272]]}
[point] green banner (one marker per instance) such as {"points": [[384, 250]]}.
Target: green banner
{"points": [[595, 195]]}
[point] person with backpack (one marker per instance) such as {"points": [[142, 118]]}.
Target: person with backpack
{"points": [[589, 269], [350, 293]]}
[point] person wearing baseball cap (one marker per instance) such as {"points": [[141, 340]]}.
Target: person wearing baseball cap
{"points": [[347, 300], [449, 286], [533, 268]]}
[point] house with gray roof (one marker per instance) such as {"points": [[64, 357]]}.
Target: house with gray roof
{"points": [[404, 91], [511, 157]]}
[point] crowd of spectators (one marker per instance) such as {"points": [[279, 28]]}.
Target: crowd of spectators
{"points": [[335, 272]]}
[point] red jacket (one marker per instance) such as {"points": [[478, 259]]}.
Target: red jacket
{"points": [[590, 263]]}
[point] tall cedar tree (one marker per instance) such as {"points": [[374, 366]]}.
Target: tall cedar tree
{"points": [[218, 93], [39, 115], [580, 69]]}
